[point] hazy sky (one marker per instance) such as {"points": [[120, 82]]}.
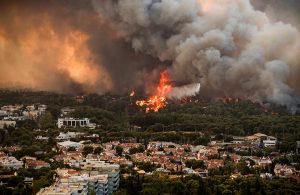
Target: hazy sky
{"points": [[103, 46]]}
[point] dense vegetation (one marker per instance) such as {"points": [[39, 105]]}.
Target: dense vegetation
{"points": [[15, 185], [156, 184], [193, 122]]}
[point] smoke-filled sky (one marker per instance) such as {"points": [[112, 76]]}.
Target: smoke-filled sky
{"points": [[231, 47]]}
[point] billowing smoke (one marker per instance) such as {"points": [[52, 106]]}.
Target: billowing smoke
{"points": [[184, 91], [228, 46], [64, 46]]}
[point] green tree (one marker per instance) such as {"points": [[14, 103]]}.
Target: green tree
{"points": [[146, 166], [46, 120], [41, 183], [87, 150], [195, 164], [98, 150], [192, 186], [119, 150]]}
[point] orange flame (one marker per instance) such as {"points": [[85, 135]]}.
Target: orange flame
{"points": [[158, 101], [132, 93]]}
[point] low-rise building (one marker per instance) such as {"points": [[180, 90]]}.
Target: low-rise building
{"points": [[32, 115], [3, 113], [33, 111], [12, 108], [214, 163], [65, 111], [69, 144], [14, 118], [63, 137], [41, 138], [284, 170], [74, 123], [7, 123], [73, 134], [11, 162], [262, 139], [36, 164], [28, 158], [261, 161], [28, 180]]}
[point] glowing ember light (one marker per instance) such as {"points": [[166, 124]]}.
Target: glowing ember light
{"points": [[206, 5], [158, 100], [132, 93]]}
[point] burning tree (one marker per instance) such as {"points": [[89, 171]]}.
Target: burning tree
{"points": [[158, 100]]}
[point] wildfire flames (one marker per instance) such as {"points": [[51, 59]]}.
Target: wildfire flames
{"points": [[132, 93], [158, 100]]}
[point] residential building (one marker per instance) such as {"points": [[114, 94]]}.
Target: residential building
{"points": [[64, 190], [42, 108], [284, 170], [262, 139], [96, 167], [72, 122], [11, 108], [7, 123], [269, 141], [14, 118], [75, 134], [160, 144], [28, 180], [63, 137], [11, 162], [238, 139], [41, 138], [65, 111], [73, 182], [3, 113], [36, 164], [32, 115], [261, 161], [31, 112], [69, 144], [98, 183], [28, 158]]}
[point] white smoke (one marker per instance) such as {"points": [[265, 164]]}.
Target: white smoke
{"points": [[226, 45], [184, 91]]}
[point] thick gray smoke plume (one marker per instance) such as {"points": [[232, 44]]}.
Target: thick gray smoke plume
{"points": [[226, 45]]}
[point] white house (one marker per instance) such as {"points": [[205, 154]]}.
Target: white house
{"points": [[72, 122], [41, 138], [270, 141], [267, 141], [69, 144], [63, 136], [11, 163], [3, 113]]}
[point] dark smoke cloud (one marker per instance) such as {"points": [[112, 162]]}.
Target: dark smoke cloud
{"points": [[64, 46], [227, 46]]}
